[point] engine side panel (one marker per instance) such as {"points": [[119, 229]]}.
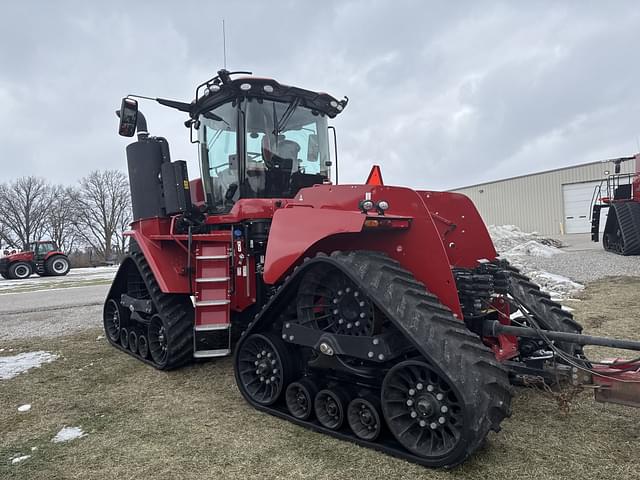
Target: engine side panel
{"points": [[463, 232]]}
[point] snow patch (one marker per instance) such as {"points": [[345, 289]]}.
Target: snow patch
{"points": [[16, 364], [506, 237], [519, 247], [533, 248], [19, 459], [557, 286], [24, 408], [68, 433]]}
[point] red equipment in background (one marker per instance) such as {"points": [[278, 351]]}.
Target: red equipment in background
{"points": [[620, 194], [372, 313], [43, 258]]}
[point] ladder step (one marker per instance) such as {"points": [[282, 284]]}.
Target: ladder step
{"points": [[212, 280], [212, 353], [212, 303], [212, 257], [207, 328]]}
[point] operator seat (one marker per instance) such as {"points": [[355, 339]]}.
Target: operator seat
{"points": [[279, 162]]}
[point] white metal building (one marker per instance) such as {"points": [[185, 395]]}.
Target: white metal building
{"points": [[552, 202]]}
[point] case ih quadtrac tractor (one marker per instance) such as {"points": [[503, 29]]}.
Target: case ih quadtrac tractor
{"points": [[43, 258], [620, 193], [376, 314]]}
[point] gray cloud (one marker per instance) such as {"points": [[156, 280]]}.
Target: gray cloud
{"points": [[442, 94]]}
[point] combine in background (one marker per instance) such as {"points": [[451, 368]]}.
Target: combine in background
{"points": [[620, 193], [43, 258]]}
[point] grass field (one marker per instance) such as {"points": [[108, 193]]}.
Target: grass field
{"points": [[193, 423]]}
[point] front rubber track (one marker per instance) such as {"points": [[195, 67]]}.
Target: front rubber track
{"points": [[439, 337], [549, 313], [177, 311]]}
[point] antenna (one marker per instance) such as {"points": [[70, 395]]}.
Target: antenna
{"points": [[224, 45]]}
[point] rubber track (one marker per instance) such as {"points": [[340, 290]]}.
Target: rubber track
{"points": [[549, 313], [443, 340], [628, 214], [177, 311]]}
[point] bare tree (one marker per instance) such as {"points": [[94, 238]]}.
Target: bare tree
{"points": [[62, 217], [24, 204], [103, 206]]}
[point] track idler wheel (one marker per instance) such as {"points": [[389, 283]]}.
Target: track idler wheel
{"points": [[143, 346], [112, 320], [330, 407], [124, 338], [299, 398], [423, 410], [263, 367], [133, 341], [158, 345], [364, 418]]}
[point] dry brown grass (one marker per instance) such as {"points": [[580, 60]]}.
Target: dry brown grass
{"points": [[193, 423]]}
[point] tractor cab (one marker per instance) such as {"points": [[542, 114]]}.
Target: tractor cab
{"points": [[257, 137], [261, 139], [41, 249]]}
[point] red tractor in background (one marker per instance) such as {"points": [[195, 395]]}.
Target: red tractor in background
{"points": [[379, 315], [620, 193], [43, 258]]}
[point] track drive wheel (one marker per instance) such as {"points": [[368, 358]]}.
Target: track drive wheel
{"points": [[263, 368]]}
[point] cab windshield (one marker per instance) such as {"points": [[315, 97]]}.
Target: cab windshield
{"points": [[262, 149]]}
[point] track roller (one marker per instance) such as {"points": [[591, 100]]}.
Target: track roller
{"points": [[143, 346], [299, 398], [330, 407], [124, 338], [133, 341], [364, 418]]}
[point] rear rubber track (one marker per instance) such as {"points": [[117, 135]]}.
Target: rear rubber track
{"points": [[175, 309], [441, 339], [628, 214]]}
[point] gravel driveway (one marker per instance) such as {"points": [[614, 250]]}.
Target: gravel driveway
{"points": [[585, 261]]}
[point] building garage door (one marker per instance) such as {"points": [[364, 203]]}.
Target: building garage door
{"points": [[577, 207]]}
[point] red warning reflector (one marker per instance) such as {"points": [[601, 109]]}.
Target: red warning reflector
{"points": [[375, 176]]}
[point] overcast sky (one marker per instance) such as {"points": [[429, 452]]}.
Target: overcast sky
{"points": [[442, 94]]}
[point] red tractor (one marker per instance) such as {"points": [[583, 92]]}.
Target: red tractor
{"points": [[620, 193], [379, 315], [43, 258]]}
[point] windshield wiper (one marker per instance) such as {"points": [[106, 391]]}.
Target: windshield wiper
{"points": [[286, 116]]}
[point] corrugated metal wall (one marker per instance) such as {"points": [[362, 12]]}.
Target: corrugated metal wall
{"points": [[533, 202]]}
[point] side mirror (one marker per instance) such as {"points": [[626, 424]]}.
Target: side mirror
{"points": [[313, 148], [128, 117]]}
